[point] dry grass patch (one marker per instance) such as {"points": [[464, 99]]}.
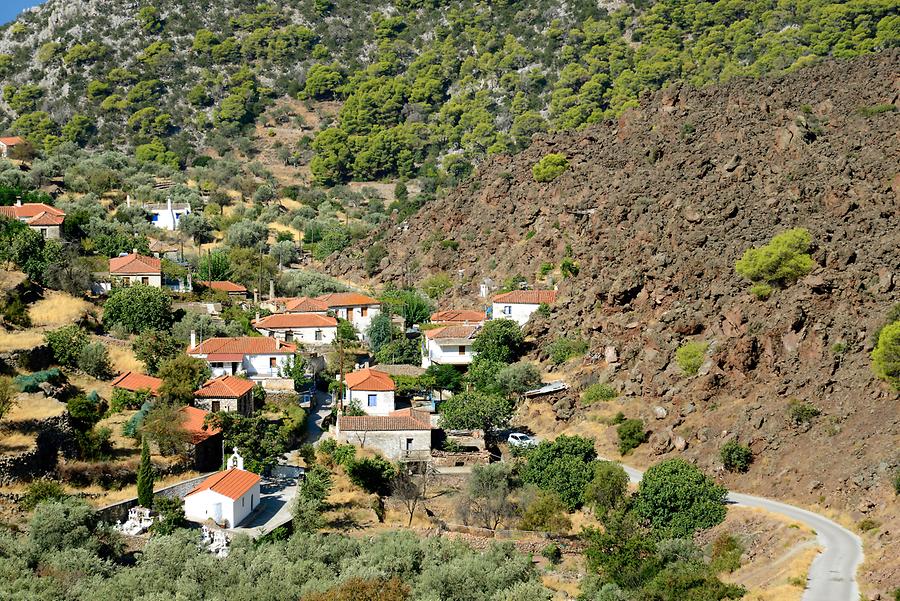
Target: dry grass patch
{"points": [[123, 359], [18, 341], [34, 407], [100, 497], [13, 443], [58, 309]]}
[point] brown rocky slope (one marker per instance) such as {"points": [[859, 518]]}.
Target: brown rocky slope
{"points": [[655, 209]]}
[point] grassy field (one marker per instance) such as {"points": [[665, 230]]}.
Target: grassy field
{"points": [[58, 309]]}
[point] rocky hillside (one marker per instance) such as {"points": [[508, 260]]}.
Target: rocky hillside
{"points": [[654, 210]]}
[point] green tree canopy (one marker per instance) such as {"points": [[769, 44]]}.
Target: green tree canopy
{"points": [[138, 308], [563, 466]]}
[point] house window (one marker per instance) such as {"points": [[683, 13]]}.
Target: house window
{"points": [[44, 232], [288, 336], [216, 406], [507, 310], [243, 501], [145, 281], [363, 311], [409, 443], [216, 365], [273, 362], [234, 368], [462, 350], [318, 335], [373, 400]]}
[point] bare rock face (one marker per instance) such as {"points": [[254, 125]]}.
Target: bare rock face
{"points": [[656, 219]]}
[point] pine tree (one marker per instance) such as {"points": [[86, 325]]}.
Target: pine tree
{"points": [[145, 477]]}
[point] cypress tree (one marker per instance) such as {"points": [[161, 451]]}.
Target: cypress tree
{"points": [[145, 477]]}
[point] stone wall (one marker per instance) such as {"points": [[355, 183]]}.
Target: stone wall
{"points": [[446, 459], [119, 511], [55, 436], [31, 359]]}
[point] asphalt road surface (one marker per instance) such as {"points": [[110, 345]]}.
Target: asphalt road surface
{"points": [[832, 575]]}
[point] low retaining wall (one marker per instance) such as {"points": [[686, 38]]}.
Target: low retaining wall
{"points": [[55, 436], [119, 511]]}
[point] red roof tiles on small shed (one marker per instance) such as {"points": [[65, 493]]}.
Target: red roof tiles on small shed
{"points": [[133, 381]]}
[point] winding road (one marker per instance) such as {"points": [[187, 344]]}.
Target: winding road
{"points": [[832, 575]]}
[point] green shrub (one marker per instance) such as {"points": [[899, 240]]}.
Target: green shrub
{"points": [[545, 513], [878, 109], [553, 553], [372, 474], [171, 515], [42, 490], [782, 261], [761, 291], [598, 392], [569, 268], [726, 554], [66, 343], [543, 310], [868, 524], [563, 349], [690, 357], [801, 413], [549, 168], [897, 482], [886, 355], [736, 457], [94, 360], [631, 435]]}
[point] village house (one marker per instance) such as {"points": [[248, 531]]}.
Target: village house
{"points": [[298, 304], [356, 308], [204, 443], [166, 215], [518, 305], [227, 497], [311, 329], [226, 393], [449, 345], [230, 288], [458, 318], [133, 268], [260, 358], [403, 435], [370, 390], [38, 216], [133, 381], [9, 145]]}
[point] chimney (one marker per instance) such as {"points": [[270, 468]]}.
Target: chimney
{"points": [[18, 202], [128, 200], [257, 316], [134, 251], [169, 203], [193, 338], [255, 296], [271, 289], [278, 344]]}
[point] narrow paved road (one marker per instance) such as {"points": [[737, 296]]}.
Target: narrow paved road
{"points": [[832, 575]]}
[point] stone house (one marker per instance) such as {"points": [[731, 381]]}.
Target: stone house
{"points": [[226, 393], [133, 381], [204, 444], [38, 216], [403, 435]]}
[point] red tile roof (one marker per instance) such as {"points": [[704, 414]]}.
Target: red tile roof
{"points": [[134, 264], [296, 320], [233, 483], [369, 379], [383, 423], [225, 387], [46, 218], [192, 423], [454, 316], [304, 304], [455, 332], [245, 345], [29, 210], [223, 285], [12, 140], [133, 381], [347, 299], [527, 297]]}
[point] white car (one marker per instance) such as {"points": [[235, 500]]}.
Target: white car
{"points": [[517, 439]]}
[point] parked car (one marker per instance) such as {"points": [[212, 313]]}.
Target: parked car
{"points": [[517, 439]]}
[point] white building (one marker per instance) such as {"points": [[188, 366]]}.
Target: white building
{"points": [[133, 269], [402, 435], [226, 497], [518, 305], [313, 329], [371, 390], [8, 146], [356, 308], [38, 216], [260, 358], [449, 345], [166, 215]]}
